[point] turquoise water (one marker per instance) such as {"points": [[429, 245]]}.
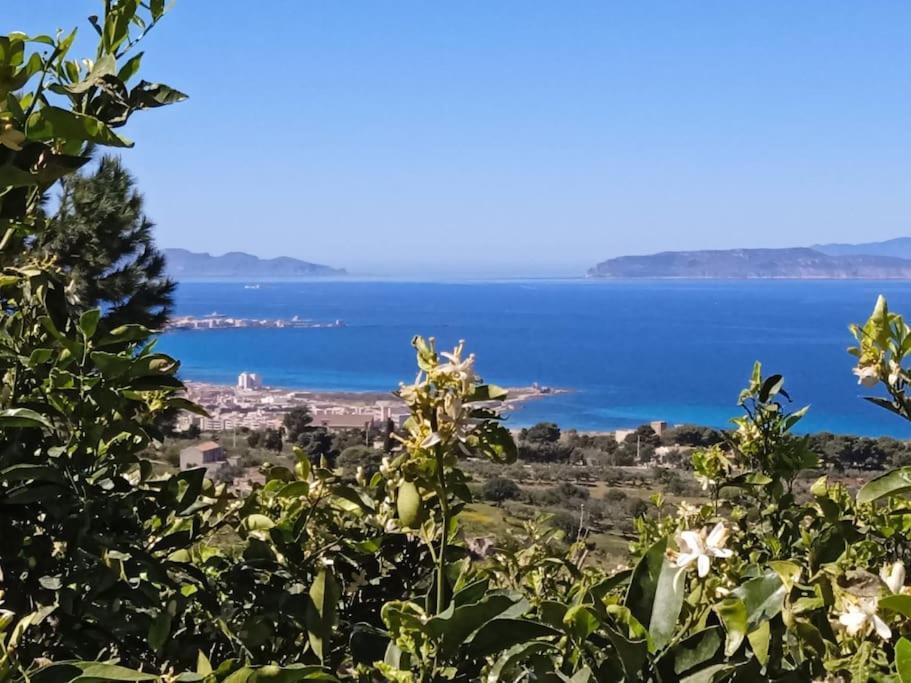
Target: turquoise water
{"points": [[631, 351]]}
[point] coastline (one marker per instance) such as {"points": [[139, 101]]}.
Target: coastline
{"points": [[263, 407]]}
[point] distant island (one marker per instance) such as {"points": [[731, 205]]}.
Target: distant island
{"points": [[872, 261], [188, 265]]}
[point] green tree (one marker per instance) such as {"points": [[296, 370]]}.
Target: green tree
{"points": [[543, 432], [103, 241], [272, 440], [691, 435], [297, 422]]}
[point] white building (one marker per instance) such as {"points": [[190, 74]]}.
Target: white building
{"points": [[249, 381]]}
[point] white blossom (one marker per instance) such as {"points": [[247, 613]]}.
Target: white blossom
{"points": [[701, 547], [462, 370], [867, 375], [861, 617]]}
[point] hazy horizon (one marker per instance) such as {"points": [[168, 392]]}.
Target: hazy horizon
{"points": [[515, 138]]}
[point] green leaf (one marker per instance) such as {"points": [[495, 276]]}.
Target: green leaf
{"points": [[711, 674], [290, 673], [897, 603], [296, 489], [124, 334], [112, 672], [88, 322], [759, 642], [149, 95], [762, 596], [22, 417], [903, 659], [28, 472], [643, 585], [733, 614], [105, 66], [504, 669], [203, 665], [258, 523], [112, 365], [770, 387], [185, 404], [488, 392], [130, 68], [501, 634], [11, 176], [455, 625], [496, 443], [631, 648], [692, 656], [322, 612], [892, 483], [669, 595], [159, 630], [54, 123], [580, 622]]}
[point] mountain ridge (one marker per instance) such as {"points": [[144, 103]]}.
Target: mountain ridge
{"points": [[769, 263], [898, 246], [183, 264]]}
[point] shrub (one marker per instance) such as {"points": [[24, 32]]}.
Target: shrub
{"points": [[499, 489], [354, 458], [614, 495]]}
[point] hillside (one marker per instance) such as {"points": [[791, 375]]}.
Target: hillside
{"points": [[899, 247], [188, 265], [798, 263]]}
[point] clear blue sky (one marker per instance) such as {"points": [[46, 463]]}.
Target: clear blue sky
{"points": [[519, 137]]}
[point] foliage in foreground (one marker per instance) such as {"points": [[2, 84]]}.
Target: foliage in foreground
{"points": [[109, 572]]}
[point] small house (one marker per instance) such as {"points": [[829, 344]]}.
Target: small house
{"points": [[207, 454]]}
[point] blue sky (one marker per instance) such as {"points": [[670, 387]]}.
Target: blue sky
{"points": [[519, 138]]}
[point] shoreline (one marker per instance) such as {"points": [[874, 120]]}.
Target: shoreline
{"points": [[263, 407]]}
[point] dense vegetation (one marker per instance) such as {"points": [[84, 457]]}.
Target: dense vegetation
{"points": [[110, 571]]}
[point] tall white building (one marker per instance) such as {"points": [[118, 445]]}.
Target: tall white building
{"points": [[249, 380]]}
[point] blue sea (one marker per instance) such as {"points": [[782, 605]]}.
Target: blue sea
{"points": [[630, 351]]}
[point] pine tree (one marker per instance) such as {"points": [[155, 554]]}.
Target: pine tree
{"points": [[102, 237]]}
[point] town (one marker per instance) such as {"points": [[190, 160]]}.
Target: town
{"points": [[218, 321], [251, 405]]}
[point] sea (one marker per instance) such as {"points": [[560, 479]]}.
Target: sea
{"points": [[628, 352]]}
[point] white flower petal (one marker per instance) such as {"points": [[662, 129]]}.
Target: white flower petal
{"points": [[692, 541], [882, 628], [853, 620], [703, 564], [893, 576], [717, 537], [685, 559], [431, 440]]}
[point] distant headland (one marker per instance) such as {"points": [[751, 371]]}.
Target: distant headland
{"points": [[188, 265], [871, 261]]}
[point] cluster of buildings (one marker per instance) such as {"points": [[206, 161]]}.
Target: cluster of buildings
{"points": [[217, 321], [249, 404]]}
